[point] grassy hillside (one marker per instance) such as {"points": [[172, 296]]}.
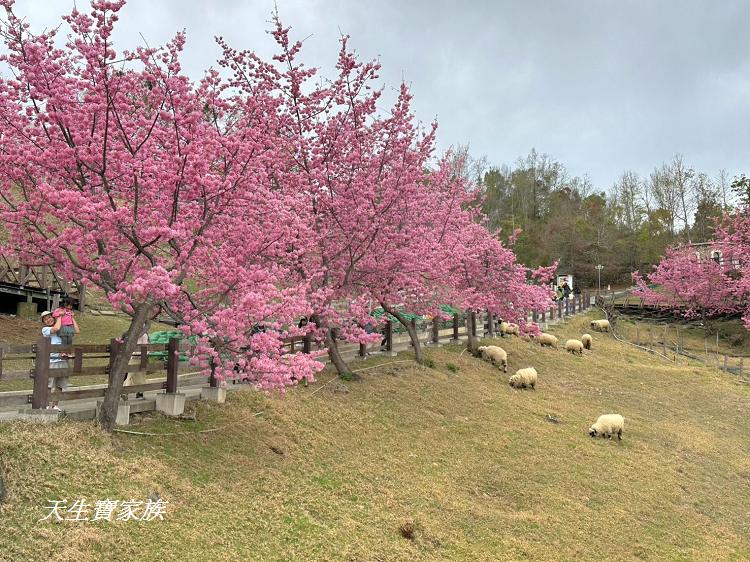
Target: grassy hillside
{"points": [[470, 468]]}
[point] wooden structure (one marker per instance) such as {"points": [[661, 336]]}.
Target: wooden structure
{"points": [[37, 283], [81, 357]]}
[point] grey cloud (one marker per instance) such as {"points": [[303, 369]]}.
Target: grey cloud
{"points": [[601, 85]]}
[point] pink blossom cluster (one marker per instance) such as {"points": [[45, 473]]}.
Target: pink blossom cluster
{"points": [[240, 203]]}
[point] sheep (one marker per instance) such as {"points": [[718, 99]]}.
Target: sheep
{"points": [[514, 329], [607, 425], [547, 339], [504, 328], [495, 355], [600, 325], [586, 339], [523, 378], [574, 346]]}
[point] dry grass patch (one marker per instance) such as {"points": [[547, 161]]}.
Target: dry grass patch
{"points": [[416, 464]]}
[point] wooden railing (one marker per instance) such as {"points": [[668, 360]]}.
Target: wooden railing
{"points": [[80, 357]]}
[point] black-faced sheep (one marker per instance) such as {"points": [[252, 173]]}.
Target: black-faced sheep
{"points": [[574, 346], [496, 355], [524, 378], [608, 425], [600, 325], [586, 339]]}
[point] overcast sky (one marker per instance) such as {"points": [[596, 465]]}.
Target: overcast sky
{"points": [[602, 86]]}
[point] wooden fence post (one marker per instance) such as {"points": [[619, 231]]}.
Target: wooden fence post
{"points": [[173, 362], [114, 347], [307, 344], [490, 326], [559, 310], [77, 360], [534, 317], [436, 330], [389, 336], [473, 324], [455, 327], [363, 349], [41, 374]]}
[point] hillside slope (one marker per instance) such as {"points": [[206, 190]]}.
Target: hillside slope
{"points": [[470, 468]]}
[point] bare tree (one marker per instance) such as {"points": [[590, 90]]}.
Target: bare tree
{"points": [[628, 192], [665, 195], [681, 180], [723, 188]]}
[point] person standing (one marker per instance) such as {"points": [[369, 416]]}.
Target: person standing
{"points": [[139, 377], [50, 329], [566, 290]]}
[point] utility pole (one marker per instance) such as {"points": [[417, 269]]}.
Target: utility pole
{"points": [[599, 268]]}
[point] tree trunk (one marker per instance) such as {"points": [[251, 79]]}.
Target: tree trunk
{"points": [[119, 366], [334, 354], [409, 328]]}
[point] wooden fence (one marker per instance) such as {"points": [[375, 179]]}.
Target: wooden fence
{"points": [[146, 358]]}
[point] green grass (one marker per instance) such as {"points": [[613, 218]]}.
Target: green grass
{"points": [[472, 465]]}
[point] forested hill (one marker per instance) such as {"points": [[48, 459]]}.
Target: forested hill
{"points": [[624, 227]]}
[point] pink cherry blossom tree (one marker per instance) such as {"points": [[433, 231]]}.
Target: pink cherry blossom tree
{"points": [[694, 285], [161, 192]]}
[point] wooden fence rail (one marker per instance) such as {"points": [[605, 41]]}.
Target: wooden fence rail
{"points": [[165, 358]]}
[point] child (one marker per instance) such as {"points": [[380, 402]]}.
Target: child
{"points": [[68, 324]]}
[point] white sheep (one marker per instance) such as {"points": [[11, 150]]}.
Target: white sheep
{"points": [[607, 425], [496, 355], [574, 346], [504, 328], [514, 329], [586, 339], [600, 325], [524, 378], [547, 340]]}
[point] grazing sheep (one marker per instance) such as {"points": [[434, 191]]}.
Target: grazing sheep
{"points": [[600, 325], [607, 425], [524, 378], [574, 346], [586, 339], [496, 355], [547, 340], [514, 329]]}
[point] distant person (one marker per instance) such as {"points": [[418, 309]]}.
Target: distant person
{"points": [[566, 290], [68, 324], [50, 329], [134, 379], [558, 293], [576, 290]]}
